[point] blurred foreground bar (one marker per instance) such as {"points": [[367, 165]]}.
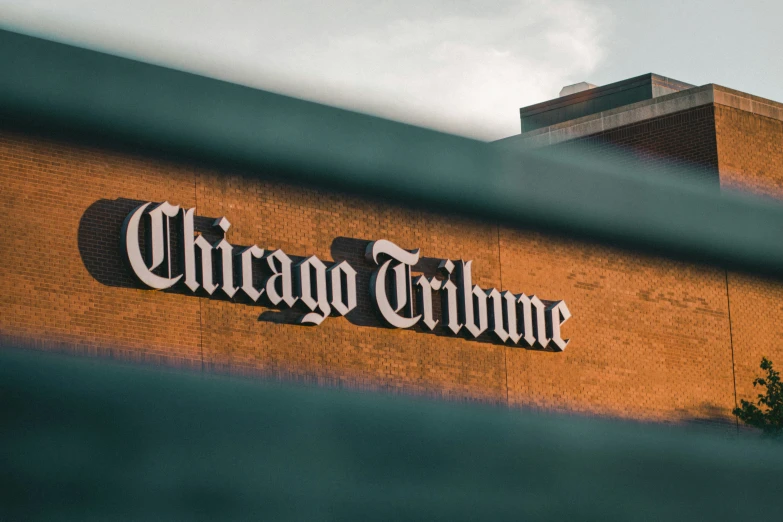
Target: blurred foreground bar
{"points": [[81, 94], [89, 440]]}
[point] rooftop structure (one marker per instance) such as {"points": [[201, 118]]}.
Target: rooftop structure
{"points": [[583, 98]]}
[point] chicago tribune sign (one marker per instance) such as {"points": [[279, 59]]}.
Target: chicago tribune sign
{"points": [[401, 300]]}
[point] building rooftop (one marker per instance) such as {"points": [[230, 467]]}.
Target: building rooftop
{"points": [[574, 125], [592, 99]]}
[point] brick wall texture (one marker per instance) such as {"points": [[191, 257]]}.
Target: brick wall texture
{"points": [[683, 143], [651, 339], [750, 156]]}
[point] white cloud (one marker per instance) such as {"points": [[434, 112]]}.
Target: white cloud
{"points": [[457, 65]]}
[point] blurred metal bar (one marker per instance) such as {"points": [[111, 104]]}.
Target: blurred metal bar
{"points": [[77, 93], [89, 440]]}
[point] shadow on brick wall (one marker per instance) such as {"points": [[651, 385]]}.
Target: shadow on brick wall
{"points": [[710, 414], [99, 247], [99, 244], [99, 241]]}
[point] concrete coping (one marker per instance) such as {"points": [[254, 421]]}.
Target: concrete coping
{"points": [[644, 110], [650, 79]]}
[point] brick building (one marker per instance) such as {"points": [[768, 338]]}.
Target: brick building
{"points": [[723, 137], [651, 338]]}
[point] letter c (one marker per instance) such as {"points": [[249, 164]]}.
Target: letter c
{"points": [[129, 243]]}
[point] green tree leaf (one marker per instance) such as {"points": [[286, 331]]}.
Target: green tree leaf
{"points": [[769, 420]]}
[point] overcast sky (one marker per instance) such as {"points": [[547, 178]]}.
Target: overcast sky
{"points": [[461, 66]]}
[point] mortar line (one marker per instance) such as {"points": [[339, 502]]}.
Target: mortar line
{"points": [[713, 110], [200, 309], [505, 348], [731, 343]]}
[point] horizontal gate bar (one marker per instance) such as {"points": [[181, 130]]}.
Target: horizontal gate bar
{"points": [[74, 92], [87, 439]]}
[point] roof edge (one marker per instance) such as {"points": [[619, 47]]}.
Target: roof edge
{"points": [[644, 110], [614, 118]]}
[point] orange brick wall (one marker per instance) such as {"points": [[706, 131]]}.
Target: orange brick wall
{"points": [[682, 143], [750, 155], [651, 338]]}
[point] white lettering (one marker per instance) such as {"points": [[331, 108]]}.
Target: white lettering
{"points": [[402, 300], [402, 287], [157, 243]]}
